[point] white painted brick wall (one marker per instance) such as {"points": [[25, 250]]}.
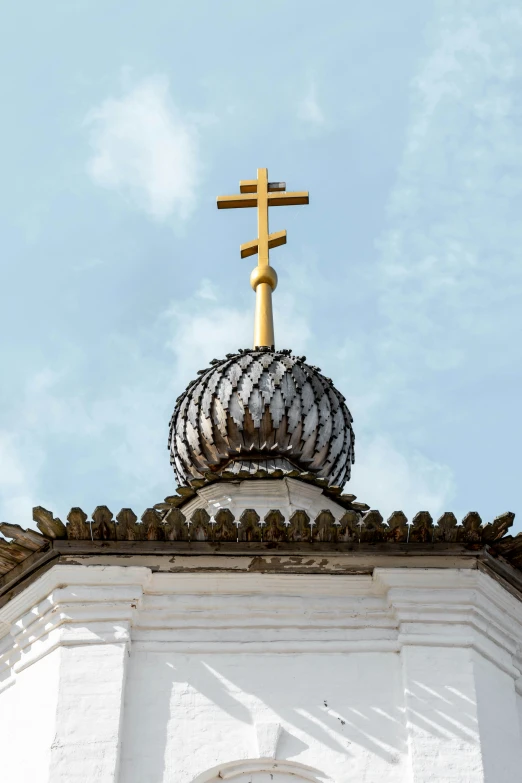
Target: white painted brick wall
{"points": [[118, 675], [27, 722]]}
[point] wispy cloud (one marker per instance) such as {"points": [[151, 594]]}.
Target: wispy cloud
{"points": [[204, 327], [20, 461], [88, 264], [309, 109], [451, 256], [449, 268], [392, 480], [207, 290], [144, 147]]}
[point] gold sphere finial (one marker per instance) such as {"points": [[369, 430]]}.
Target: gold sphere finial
{"points": [[263, 274], [263, 194]]}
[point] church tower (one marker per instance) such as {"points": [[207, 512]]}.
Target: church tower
{"points": [[261, 624]]}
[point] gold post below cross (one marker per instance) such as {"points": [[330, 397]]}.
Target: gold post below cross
{"points": [[262, 194]]}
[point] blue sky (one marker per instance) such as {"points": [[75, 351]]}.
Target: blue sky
{"points": [[120, 279]]}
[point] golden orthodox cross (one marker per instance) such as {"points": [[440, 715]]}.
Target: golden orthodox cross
{"points": [[263, 194]]}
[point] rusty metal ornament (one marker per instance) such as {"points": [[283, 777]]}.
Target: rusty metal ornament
{"points": [[261, 409]]}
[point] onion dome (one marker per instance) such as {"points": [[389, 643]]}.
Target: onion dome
{"points": [[261, 409]]}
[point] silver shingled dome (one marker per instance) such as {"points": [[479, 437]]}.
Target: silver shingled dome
{"points": [[261, 410]]}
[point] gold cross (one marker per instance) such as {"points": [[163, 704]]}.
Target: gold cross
{"points": [[263, 194]]}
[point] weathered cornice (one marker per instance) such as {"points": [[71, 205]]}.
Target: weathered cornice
{"points": [[357, 533], [382, 612]]}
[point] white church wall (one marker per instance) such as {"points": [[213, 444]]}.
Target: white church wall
{"points": [[86, 742], [460, 635], [76, 620], [441, 712], [27, 722], [340, 713], [498, 721], [121, 675]]}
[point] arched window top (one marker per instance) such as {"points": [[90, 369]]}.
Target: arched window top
{"points": [[262, 771]]}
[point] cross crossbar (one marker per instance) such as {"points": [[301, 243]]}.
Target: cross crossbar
{"points": [[262, 194]]}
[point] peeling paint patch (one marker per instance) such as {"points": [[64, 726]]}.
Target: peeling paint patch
{"points": [[297, 565]]}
